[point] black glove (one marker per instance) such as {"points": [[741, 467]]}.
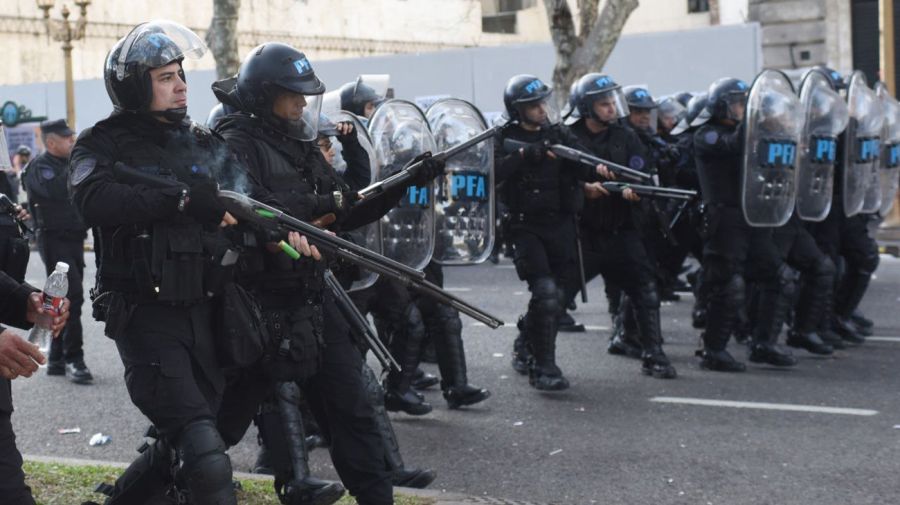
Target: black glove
{"points": [[204, 205], [534, 153], [428, 170], [348, 138]]}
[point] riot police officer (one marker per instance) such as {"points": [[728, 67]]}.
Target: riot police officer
{"points": [[731, 244], [277, 95], [846, 241], [60, 237], [542, 193], [360, 98], [159, 243], [611, 242]]}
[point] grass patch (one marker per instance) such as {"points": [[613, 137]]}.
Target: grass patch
{"points": [[57, 484]]}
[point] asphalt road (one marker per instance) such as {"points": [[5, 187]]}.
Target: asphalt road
{"points": [[602, 441]]}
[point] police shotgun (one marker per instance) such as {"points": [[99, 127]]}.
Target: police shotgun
{"points": [[360, 323], [246, 208], [403, 176], [651, 191], [512, 146]]}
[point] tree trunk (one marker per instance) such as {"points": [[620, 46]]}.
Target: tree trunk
{"points": [[586, 51], [222, 37]]}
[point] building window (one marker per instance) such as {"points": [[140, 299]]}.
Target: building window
{"points": [[695, 6]]}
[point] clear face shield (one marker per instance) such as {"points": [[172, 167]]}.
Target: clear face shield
{"points": [[736, 104], [158, 43], [643, 118], [669, 113], [609, 106], [542, 112], [309, 122]]}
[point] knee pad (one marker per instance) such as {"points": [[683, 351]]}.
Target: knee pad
{"points": [[545, 297], [734, 290], [205, 468], [786, 280], [647, 296], [448, 319], [373, 389], [825, 268], [413, 323]]}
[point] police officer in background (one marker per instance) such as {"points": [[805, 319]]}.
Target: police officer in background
{"points": [[543, 194], [360, 98], [159, 244], [60, 237], [611, 241], [734, 251]]}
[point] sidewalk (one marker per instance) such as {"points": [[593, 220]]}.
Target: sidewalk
{"points": [[439, 497]]}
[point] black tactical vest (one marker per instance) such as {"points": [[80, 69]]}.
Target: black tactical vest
{"points": [[168, 261], [540, 190], [609, 213], [297, 176]]}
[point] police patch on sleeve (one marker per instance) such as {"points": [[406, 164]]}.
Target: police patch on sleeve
{"points": [[47, 173], [82, 170], [636, 162], [711, 137]]}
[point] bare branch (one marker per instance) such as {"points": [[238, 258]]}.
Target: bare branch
{"points": [[601, 40]]}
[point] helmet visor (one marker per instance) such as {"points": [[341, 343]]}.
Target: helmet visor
{"points": [[540, 112], [671, 112], [309, 122], [158, 43], [609, 105]]}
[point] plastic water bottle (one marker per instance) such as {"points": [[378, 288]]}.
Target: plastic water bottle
{"points": [[55, 290]]}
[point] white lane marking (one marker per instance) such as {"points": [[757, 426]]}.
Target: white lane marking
{"points": [[458, 290], [764, 406], [510, 267], [883, 339], [513, 325]]}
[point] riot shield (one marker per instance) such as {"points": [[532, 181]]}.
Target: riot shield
{"points": [[889, 174], [464, 205], [368, 236], [861, 144], [772, 127], [399, 133], [826, 116]]}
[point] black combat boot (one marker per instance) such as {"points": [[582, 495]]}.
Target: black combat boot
{"points": [[567, 324], [299, 487], [771, 311], [543, 373], [811, 307], [424, 380], [446, 331], [400, 475], [624, 339], [521, 356], [655, 363], [719, 361], [406, 347]]}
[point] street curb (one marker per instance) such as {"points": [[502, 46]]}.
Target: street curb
{"points": [[440, 497]]}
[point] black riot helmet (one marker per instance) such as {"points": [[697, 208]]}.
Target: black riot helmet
{"points": [[356, 95], [723, 96], [684, 97], [526, 91], [269, 70], [837, 81], [694, 107], [148, 46], [593, 87], [638, 97], [669, 113]]}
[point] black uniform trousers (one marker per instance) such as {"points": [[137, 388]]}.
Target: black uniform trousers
{"points": [[621, 258], [337, 398], [13, 490], [545, 248], [734, 252], [171, 371], [68, 247]]}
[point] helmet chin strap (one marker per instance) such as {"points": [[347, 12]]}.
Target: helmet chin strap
{"points": [[170, 115]]}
